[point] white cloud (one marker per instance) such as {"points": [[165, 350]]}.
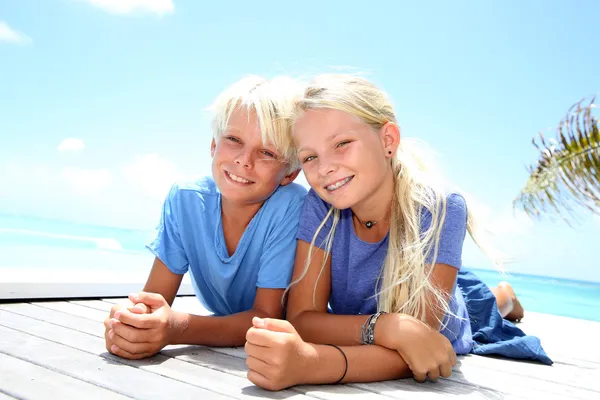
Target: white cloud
{"points": [[71, 144], [152, 173], [159, 7], [8, 34], [87, 181]]}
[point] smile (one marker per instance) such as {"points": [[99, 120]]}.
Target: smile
{"points": [[236, 178], [338, 184]]}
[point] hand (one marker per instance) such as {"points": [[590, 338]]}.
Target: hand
{"points": [[428, 353], [134, 334], [276, 355], [139, 308]]}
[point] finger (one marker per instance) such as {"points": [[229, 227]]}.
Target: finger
{"points": [[452, 355], [142, 321], [419, 376], [446, 370], [132, 348], [125, 354], [264, 337], [258, 379], [272, 324], [434, 374], [259, 352], [139, 308], [107, 340], [258, 365], [132, 334], [150, 299]]}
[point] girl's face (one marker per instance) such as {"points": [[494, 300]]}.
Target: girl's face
{"points": [[343, 159]]}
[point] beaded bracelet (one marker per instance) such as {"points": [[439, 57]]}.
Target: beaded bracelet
{"points": [[368, 328], [345, 359]]}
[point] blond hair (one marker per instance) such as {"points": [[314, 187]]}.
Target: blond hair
{"points": [[405, 280], [271, 101]]}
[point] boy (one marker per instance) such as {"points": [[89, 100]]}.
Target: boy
{"points": [[234, 233]]}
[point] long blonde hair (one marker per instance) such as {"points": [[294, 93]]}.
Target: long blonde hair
{"points": [[272, 100], [405, 280]]}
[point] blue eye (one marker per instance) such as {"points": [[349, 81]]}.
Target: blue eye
{"points": [[269, 154], [233, 139], [309, 158]]}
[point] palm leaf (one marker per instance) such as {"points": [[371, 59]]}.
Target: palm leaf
{"points": [[567, 173]]}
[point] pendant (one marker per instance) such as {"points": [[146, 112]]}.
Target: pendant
{"points": [[369, 224]]}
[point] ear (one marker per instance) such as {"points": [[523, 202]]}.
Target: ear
{"points": [[390, 138], [290, 178], [213, 146]]}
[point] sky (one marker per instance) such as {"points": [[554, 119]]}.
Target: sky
{"points": [[103, 102]]}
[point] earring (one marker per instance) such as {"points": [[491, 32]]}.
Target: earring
{"points": [[389, 152]]}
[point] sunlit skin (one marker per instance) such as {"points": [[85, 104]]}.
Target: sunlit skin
{"points": [[246, 172], [337, 148], [239, 151]]}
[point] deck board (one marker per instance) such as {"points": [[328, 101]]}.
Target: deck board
{"points": [[59, 346], [25, 380], [115, 376]]}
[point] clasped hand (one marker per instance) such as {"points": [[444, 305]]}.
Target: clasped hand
{"points": [[141, 330]]}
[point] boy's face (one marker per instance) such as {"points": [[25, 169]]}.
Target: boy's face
{"points": [[245, 170]]}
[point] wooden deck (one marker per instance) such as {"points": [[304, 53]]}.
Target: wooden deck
{"points": [[56, 350]]}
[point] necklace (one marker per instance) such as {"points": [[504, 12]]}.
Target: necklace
{"points": [[368, 224]]}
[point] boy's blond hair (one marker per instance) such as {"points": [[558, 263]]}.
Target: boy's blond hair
{"points": [[272, 101]]}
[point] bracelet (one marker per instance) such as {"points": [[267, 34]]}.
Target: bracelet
{"points": [[345, 359], [368, 328]]}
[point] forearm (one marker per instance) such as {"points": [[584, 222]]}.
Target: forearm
{"points": [[367, 363], [320, 328], [227, 331]]}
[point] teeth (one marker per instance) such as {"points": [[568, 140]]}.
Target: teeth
{"points": [[237, 178], [338, 184]]}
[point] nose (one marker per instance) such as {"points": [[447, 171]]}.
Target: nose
{"points": [[244, 159], [326, 167]]}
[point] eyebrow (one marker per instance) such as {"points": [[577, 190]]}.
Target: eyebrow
{"points": [[327, 139]]}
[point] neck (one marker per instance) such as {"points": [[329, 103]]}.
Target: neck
{"points": [[377, 207], [240, 214]]}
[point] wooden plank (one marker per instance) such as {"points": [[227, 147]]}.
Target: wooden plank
{"points": [[554, 332], [120, 378], [549, 387], [233, 386], [575, 375], [73, 309], [25, 380], [95, 304], [55, 317]]}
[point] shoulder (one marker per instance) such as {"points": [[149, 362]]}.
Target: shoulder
{"points": [[292, 193], [456, 206], [285, 203], [455, 215], [313, 201], [186, 192]]}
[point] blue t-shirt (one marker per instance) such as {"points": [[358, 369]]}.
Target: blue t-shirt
{"points": [[356, 265], [190, 239]]}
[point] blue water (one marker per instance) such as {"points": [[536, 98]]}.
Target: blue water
{"points": [[537, 293]]}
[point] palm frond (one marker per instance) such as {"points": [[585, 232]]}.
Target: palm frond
{"points": [[567, 174]]}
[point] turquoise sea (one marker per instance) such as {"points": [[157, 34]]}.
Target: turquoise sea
{"points": [[34, 243]]}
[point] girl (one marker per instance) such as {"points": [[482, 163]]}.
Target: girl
{"points": [[380, 241]]}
